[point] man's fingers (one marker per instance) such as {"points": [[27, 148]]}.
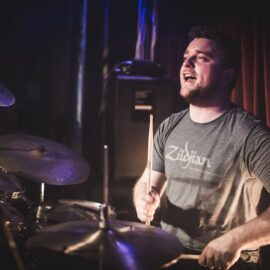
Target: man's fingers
{"points": [[145, 212], [145, 217], [146, 207], [149, 198], [210, 261], [219, 264]]}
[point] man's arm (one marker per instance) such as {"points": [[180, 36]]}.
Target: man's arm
{"points": [[224, 251], [146, 204]]}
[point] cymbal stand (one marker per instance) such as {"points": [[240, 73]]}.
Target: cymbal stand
{"points": [[39, 213], [104, 223], [106, 175], [104, 210]]}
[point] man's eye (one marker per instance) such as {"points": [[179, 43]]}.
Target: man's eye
{"points": [[201, 57]]}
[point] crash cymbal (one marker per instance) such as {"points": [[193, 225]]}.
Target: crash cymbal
{"points": [[123, 246], [9, 182], [41, 160], [6, 97]]}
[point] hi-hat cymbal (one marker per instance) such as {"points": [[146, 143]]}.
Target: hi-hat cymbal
{"points": [[123, 246], [6, 97], [41, 160], [9, 182]]}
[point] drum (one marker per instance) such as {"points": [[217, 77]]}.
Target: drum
{"points": [[17, 221], [17, 200], [64, 210]]}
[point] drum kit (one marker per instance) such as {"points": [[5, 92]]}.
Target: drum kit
{"points": [[67, 234]]}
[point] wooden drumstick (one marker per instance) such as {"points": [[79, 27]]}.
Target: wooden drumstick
{"points": [[181, 257], [150, 157], [189, 257]]}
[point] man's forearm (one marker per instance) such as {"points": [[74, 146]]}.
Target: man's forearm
{"points": [[253, 234]]}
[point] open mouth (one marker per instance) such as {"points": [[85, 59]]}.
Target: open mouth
{"points": [[189, 77]]}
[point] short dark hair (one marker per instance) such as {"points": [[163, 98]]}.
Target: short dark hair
{"points": [[231, 55]]}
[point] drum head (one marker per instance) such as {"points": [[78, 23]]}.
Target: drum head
{"points": [[55, 212]]}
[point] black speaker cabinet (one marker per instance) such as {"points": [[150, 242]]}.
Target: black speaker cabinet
{"points": [[131, 100]]}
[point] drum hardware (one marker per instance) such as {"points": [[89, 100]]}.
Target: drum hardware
{"points": [[9, 197], [39, 213], [14, 196], [42, 160]]}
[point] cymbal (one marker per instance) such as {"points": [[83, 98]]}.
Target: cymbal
{"points": [[124, 246], [6, 97], [41, 160], [9, 182]]}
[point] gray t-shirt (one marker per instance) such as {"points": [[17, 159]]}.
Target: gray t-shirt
{"points": [[215, 173]]}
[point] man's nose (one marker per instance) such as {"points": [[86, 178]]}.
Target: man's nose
{"points": [[189, 62]]}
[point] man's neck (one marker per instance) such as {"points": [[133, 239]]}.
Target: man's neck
{"points": [[207, 114]]}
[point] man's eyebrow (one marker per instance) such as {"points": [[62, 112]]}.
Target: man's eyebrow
{"points": [[207, 53]]}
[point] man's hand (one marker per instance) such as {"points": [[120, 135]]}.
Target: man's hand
{"points": [[146, 205], [220, 253]]}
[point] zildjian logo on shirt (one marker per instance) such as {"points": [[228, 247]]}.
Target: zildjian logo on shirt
{"points": [[186, 156]]}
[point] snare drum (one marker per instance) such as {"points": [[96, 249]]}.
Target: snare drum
{"points": [[64, 210]]}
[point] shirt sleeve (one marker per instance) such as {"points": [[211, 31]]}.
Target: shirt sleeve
{"points": [[257, 154], [158, 148], [160, 138]]}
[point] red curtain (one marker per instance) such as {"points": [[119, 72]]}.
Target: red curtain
{"points": [[252, 92], [248, 25]]}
